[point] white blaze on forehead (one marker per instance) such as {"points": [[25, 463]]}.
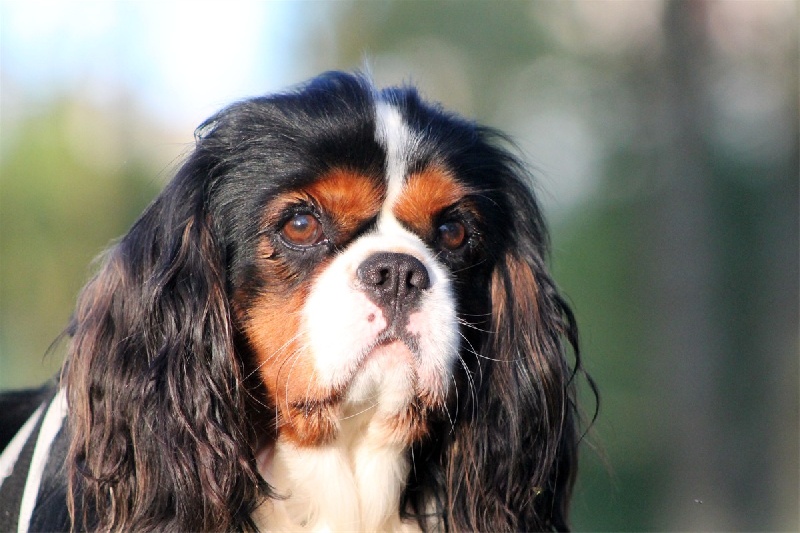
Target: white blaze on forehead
{"points": [[392, 132]]}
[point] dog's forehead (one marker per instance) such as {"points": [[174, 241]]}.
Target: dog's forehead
{"points": [[413, 196], [352, 195], [398, 141], [409, 187]]}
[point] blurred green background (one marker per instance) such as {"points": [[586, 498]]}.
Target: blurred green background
{"points": [[664, 135]]}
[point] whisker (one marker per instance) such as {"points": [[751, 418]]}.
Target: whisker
{"points": [[468, 267], [450, 419], [471, 350], [458, 403], [295, 357], [375, 404], [274, 354], [472, 388], [307, 401], [471, 325], [483, 315]]}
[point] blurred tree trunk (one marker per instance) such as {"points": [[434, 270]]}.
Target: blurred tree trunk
{"points": [[720, 423], [687, 348], [778, 337]]}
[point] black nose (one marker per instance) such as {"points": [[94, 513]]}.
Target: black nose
{"points": [[393, 281]]}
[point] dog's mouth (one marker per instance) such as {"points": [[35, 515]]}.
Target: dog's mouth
{"points": [[384, 383], [392, 349], [392, 336], [388, 353]]}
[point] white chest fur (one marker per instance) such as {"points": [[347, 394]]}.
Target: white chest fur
{"points": [[352, 484]]}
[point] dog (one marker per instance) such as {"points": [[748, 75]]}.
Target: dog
{"points": [[336, 316]]}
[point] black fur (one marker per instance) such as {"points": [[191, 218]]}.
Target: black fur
{"points": [[164, 424], [17, 406]]}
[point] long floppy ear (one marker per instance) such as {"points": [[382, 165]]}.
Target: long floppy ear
{"points": [[511, 463], [156, 409]]}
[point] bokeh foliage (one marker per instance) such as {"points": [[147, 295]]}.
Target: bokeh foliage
{"points": [[70, 182], [678, 247]]}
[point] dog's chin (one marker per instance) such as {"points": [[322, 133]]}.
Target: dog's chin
{"points": [[385, 396], [386, 378]]}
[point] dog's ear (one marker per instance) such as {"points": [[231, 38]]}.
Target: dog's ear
{"points": [[529, 394], [159, 434], [511, 462]]}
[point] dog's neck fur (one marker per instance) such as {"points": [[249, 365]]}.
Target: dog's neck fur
{"points": [[352, 484]]}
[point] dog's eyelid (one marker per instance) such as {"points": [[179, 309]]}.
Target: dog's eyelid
{"points": [[289, 210], [302, 205], [280, 210], [462, 212]]}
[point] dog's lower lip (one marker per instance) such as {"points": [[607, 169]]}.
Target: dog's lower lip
{"points": [[388, 340], [393, 333]]}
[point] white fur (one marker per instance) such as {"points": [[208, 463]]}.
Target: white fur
{"points": [[342, 323], [396, 138], [353, 484], [11, 452], [51, 424]]}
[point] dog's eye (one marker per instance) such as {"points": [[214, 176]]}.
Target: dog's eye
{"points": [[452, 235], [303, 229]]}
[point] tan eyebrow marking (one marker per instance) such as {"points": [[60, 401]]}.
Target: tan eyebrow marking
{"points": [[348, 197], [425, 194]]}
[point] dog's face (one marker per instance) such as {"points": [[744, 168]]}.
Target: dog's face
{"points": [[355, 294], [325, 253]]}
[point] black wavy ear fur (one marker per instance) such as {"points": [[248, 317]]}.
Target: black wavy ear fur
{"points": [[509, 458], [157, 414]]}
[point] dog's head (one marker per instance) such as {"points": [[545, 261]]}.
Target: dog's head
{"points": [[321, 252]]}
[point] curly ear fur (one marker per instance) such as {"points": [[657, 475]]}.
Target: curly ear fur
{"points": [[509, 457], [512, 465], [159, 437]]}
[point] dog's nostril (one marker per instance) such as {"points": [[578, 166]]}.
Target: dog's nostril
{"points": [[384, 277], [419, 278], [372, 276], [393, 279]]}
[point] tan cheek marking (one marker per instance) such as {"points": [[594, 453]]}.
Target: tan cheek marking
{"points": [[424, 195], [273, 325], [349, 197], [273, 328], [307, 412]]}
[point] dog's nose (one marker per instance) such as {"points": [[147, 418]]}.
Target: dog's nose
{"points": [[393, 281]]}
